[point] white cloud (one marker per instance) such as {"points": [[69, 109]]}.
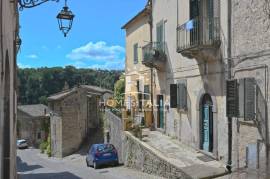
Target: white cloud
{"points": [[20, 65], [109, 66], [97, 51], [33, 56], [44, 47]]}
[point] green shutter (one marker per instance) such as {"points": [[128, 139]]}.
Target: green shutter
{"points": [[182, 94], [232, 98], [160, 32], [249, 99], [135, 53], [146, 92]]}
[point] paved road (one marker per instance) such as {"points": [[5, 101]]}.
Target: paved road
{"points": [[33, 165]]}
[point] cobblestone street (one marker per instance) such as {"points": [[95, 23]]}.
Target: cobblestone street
{"points": [[33, 165]]}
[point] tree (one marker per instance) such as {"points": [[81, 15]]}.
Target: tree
{"points": [[35, 85], [119, 89]]}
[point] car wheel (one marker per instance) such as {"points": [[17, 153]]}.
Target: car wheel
{"points": [[95, 165], [116, 163]]}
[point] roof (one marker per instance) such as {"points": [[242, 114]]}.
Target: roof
{"points": [[97, 89], [63, 94], [35, 110], [142, 13]]}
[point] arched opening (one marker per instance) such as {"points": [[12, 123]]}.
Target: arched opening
{"points": [[206, 123], [6, 129]]}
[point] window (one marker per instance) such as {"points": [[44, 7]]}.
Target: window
{"points": [[39, 135], [146, 92], [160, 35], [178, 95], [182, 95], [138, 85], [173, 95], [160, 32], [135, 53], [194, 9]]}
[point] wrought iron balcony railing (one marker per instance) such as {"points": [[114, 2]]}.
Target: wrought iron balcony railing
{"points": [[154, 55], [198, 33]]}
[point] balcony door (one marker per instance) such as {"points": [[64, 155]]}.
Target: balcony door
{"points": [[160, 35], [202, 14]]}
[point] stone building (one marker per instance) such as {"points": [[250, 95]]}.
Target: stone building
{"points": [[195, 47], [188, 54], [137, 76], [33, 123], [9, 28], [76, 114], [250, 59]]}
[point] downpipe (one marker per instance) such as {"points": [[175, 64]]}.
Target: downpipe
{"points": [[229, 52]]}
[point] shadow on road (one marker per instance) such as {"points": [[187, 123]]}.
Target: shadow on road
{"points": [[62, 175], [24, 167]]}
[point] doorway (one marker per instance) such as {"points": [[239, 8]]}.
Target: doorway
{"points": [[206, 126], [160, 112]]}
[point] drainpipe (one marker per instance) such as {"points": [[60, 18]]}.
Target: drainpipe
{"points": [[229, 52], [1, 76], [151, 69]]}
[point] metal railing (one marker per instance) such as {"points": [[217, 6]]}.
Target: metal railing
{"points": [[198, 32], [153, 51]]}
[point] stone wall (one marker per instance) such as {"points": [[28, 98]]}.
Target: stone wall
{"points": [[114, 127], [9, 28], [250, 52], [139, 156], [74, 122], [56, 135], [29, 129]]}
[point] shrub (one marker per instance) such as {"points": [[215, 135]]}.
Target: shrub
{"points": [[137, 131], [48, 150], [43, 146]]}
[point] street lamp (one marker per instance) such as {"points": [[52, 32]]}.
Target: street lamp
{"points": [[65, 19], [18, 43], [32, 3]]}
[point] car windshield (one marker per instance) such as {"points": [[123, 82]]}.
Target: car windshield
{"points": [[21, 142], [105, 148]]}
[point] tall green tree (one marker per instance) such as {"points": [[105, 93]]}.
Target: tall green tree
{"points": [[35, 85]]}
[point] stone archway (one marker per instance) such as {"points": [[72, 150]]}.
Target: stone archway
{"points": [[214, 111], [206, 124]]}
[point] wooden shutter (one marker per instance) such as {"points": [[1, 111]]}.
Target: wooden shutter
{"points": [[173, 95], [232, 98], [241, 99], [249, 99], [146, 92], [135, 53], [182, 94], [160, 32]]}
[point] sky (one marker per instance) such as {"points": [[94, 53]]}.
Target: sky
{"points": [[96, 39]]}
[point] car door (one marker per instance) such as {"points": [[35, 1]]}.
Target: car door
{"points": [[89, 156]]}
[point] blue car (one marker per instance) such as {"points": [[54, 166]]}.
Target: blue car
{"points": [[101, 154]]}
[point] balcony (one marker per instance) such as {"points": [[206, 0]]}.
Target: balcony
{"points": [[154, 55], [199, 38]]}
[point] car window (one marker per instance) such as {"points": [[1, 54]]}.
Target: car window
{"points": [[22, 142], [90, 150], [105, 148]]}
